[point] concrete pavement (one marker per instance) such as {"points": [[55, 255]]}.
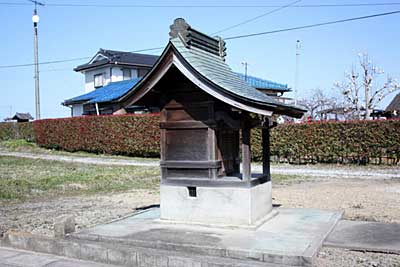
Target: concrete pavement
{"points": [[119, 240], [365, 236], [21, 258], [292, 238]]}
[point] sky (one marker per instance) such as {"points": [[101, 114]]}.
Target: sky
{"points": [[74, 32]]}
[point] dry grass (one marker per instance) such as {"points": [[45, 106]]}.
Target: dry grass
{"points": [[26, 178]]}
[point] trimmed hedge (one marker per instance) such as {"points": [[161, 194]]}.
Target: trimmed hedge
{"points": [[138, 135], [14, 130], [361, 142], [123, 134]]}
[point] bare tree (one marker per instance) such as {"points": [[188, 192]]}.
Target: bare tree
{"points": [[360, 91], [316, 102]]}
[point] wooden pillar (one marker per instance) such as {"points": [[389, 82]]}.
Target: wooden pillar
{"points": [[212, 142], [163, 143], [246, 153], [266, 151]]}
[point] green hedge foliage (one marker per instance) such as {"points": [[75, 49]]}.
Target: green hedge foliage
{"points": [[14, 130], [359, 142], [136, 135]]}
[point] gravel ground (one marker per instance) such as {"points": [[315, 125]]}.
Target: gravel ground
{"points": [[38, 216], [364, 200], [361, 199], [333, 257]]}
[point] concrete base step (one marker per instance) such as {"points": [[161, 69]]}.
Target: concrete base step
{"points": [[10, 257], [122, 254]]}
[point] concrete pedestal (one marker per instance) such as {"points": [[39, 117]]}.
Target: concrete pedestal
{"points": [[225, 206], [292, 238]]}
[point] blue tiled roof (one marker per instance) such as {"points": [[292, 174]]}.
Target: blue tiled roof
{"points": [[264, 84], [106, 93]]}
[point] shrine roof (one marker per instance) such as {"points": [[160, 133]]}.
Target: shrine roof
{"points": [[202, 57], [217, 71]]}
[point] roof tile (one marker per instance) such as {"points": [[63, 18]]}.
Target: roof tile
{"points": [[107, 93]]}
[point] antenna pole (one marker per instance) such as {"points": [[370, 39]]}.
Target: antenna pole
{"points": [[296, 79], [245, 64]]}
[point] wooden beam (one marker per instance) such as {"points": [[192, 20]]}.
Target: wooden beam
{"points": [[246, 153], [266, 151]]}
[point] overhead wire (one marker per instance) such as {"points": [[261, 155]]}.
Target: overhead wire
{"points": [[256, 17], [231, 37], [206, 6], [71, 59], [312, 25], [223, 30]]}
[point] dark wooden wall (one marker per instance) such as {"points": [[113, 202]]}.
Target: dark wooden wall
{"points": [[195, 142]]}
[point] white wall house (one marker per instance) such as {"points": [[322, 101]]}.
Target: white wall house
{"points": [[109, 66], [102, 76]]}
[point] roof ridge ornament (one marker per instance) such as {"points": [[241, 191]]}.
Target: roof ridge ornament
{"points": [[191, 37]]}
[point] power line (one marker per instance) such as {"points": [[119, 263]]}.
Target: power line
{"points": [[225, 29], [42, 63], [257, 17], [205, 6], [228, 38], [54, 70], [312, 25], [69, 60]]}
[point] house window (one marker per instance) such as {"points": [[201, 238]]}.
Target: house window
{"points": [[98, 80], [127, 74]]}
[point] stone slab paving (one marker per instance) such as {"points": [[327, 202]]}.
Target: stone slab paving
{"points": [[366, 236], [21, 258], [292, 237]]}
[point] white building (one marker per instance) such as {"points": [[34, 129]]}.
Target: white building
{"points": [[110, 74], [106, 67]]}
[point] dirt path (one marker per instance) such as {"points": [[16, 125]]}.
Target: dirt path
{"points": [[319, 170], [81, 159]]}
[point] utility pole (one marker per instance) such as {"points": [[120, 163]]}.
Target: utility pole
{"points": [[35, 20], [245, 64], [296, 78]]}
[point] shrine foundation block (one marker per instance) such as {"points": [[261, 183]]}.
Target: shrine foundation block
{"points": [[225, 206]]}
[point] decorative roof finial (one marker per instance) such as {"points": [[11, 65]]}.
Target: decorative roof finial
{"points": [[179, 27], [194, 38]]}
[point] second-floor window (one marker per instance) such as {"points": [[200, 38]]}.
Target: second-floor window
{"points": [[98, 80], [127, 74]]}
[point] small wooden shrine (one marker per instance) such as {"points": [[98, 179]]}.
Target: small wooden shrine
{"points": [[207, 113]]}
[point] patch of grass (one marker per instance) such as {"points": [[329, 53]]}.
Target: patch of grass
{"points": [[26, 178], [17, 144], [287, 178]]}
